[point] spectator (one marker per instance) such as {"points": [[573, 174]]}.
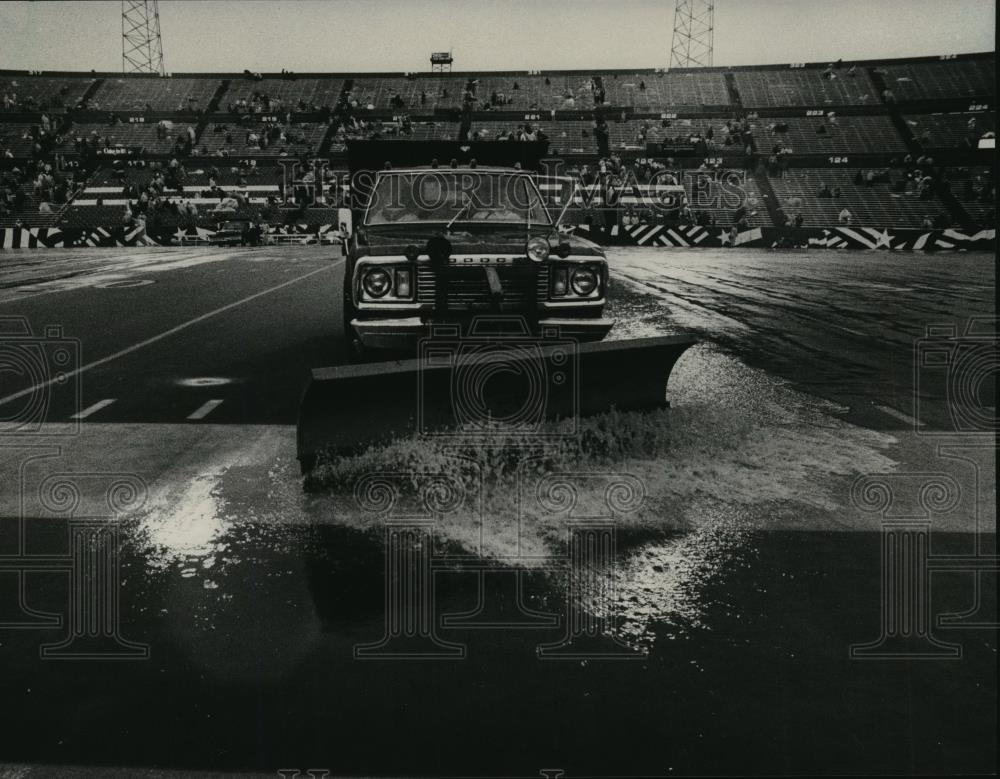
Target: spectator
{"points": [[824, 191], [836, 192], [845, 217], [928, 222], [798, 220]]}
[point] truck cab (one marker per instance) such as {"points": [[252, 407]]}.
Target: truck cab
{"points": [[449, 244]]}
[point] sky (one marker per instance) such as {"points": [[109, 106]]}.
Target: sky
{"points": [[399, 35]]}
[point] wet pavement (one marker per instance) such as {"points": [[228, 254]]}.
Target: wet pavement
{"points": [[706, 629]]}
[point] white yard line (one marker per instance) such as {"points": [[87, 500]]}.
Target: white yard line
{"points": [[913, 422], [161, 336], [93, 409], [206, 409]]}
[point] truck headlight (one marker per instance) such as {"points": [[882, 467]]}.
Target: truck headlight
{"points": [[537, 250], [584, 281], [376, 282]]}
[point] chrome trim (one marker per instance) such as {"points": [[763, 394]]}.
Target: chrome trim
{"points": [[424, 281]]}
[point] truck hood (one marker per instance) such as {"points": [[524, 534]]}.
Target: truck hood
{"points": [[393, 240]]}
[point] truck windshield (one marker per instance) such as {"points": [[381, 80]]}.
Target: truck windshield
{"points": [[455, 196]]}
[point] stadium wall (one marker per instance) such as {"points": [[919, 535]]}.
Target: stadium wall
{"points": [[688, 236]]}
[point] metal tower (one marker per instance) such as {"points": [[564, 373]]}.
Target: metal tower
{"points": [[694, 21], [142, 48]]}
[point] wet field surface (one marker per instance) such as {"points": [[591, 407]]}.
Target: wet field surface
{"points": [[260, 673], [254, 630]]}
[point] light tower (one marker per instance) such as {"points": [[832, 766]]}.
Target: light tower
{"points": [[142, 48], [694, 21]]}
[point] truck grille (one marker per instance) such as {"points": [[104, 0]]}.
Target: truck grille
{"points": [[468, 288]]}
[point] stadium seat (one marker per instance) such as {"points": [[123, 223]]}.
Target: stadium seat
{"points": [[379, 92], [44, 93], [563, 92], [160, 94], [285, 94], [874, 206], [127, 135], [566, 137], [665, 91], [952, 130], [972, 78], [299, 137], [774, 88], [842, 135]]}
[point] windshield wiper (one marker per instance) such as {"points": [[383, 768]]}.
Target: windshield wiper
{"points": [[468, 202]]}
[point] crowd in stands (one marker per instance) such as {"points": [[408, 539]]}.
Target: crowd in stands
{"points": [[910, 187], [30, 140], [249, 137], [37, 187], [612, 115], [35, 94], [163, 137], [158, 193]]}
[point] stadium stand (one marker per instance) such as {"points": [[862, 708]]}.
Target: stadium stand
{"points": [[805, 87], [42, 93], [874, 205], [892, 157], [635, 134], [565, 136], [418, 131], [662, 91], [415, 95], [941, 80], [282, 95], [840, 134], [201, 172], [975, 188], [153, 138], [536, 93], [138, 93], [723, 194], [269, 139], [951, 131], [17, 138]]}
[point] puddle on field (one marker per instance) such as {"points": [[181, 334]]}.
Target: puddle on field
{"points": [[738, 452]]}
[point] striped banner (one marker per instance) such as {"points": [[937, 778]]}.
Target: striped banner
{"points": [[841, 237]]}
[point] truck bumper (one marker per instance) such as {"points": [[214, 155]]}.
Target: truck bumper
{"points": [[404, 333]]}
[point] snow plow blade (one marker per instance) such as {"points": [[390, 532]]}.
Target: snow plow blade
{"points": [[348, 408]]}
